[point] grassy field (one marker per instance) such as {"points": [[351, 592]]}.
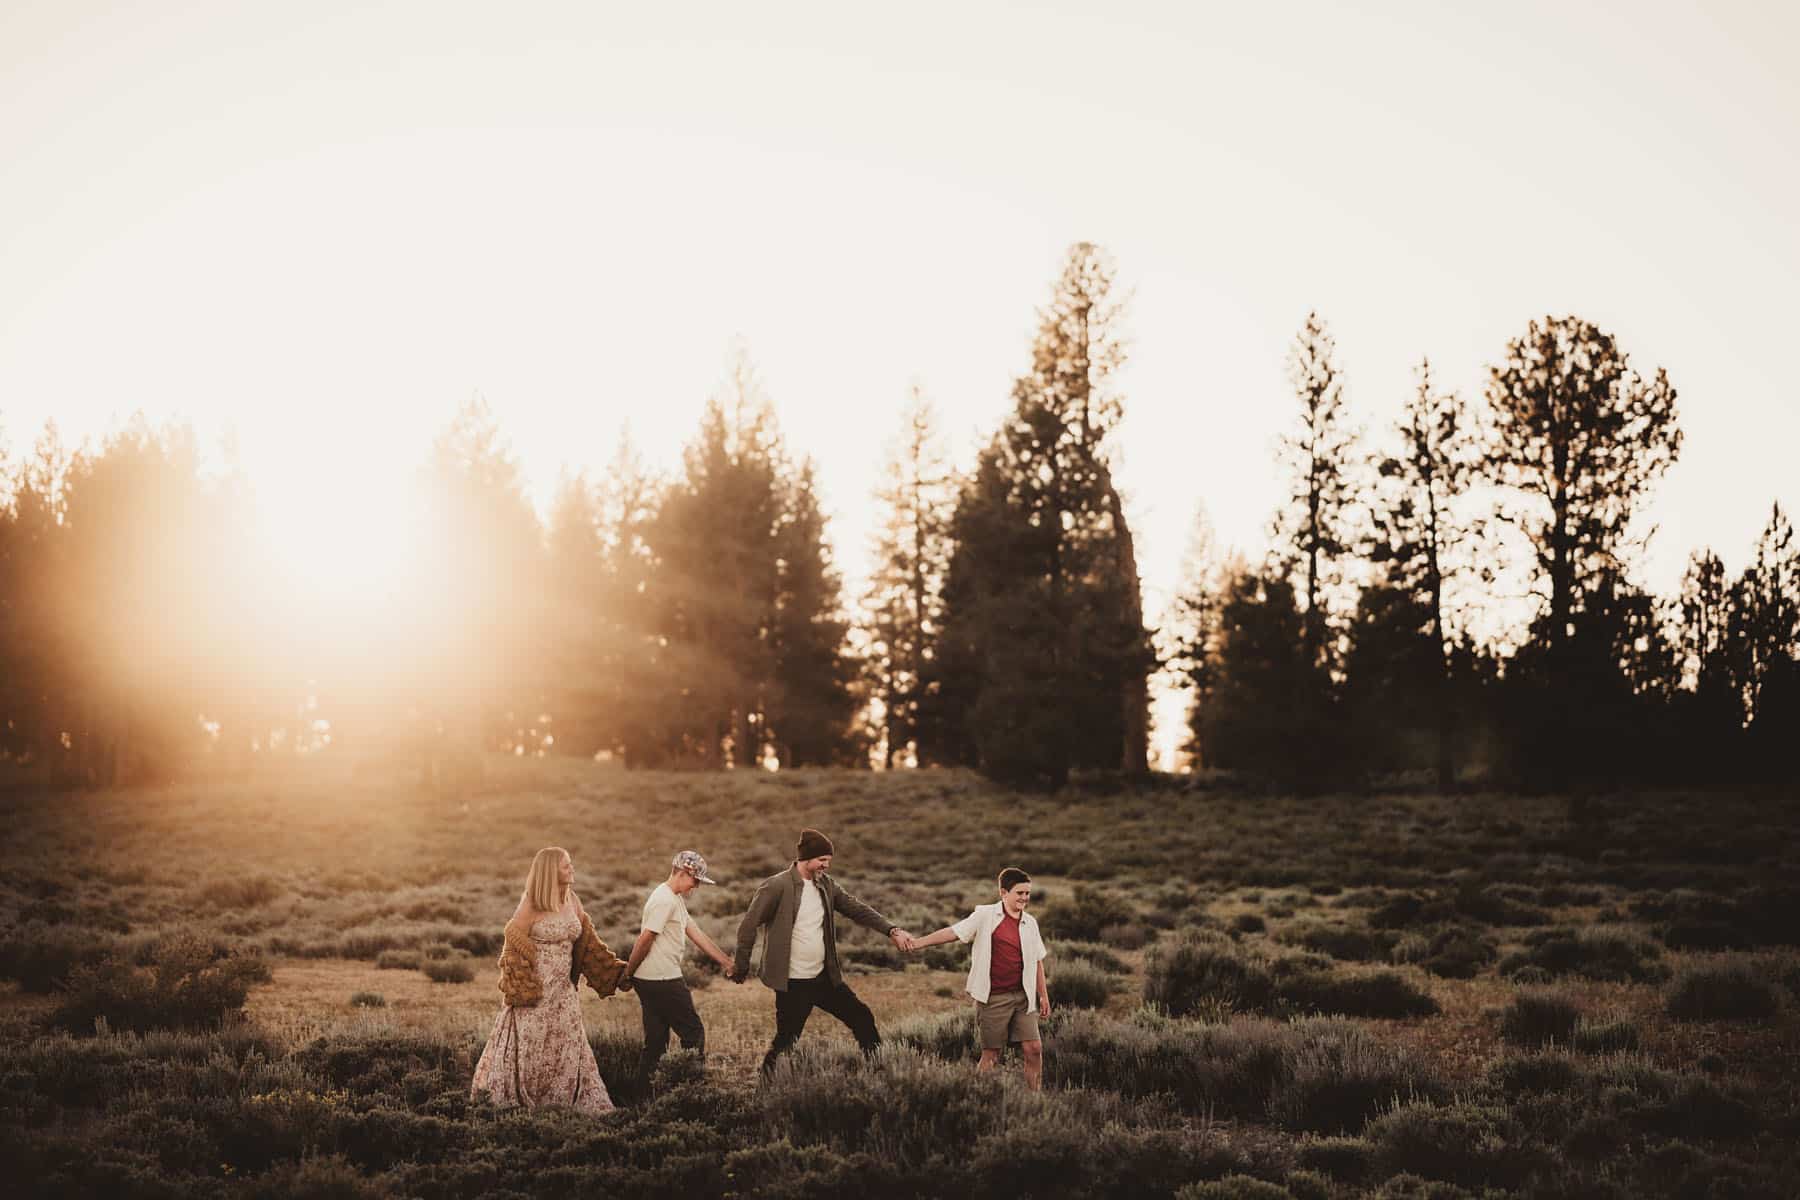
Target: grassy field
{"points": [[276, 986]]}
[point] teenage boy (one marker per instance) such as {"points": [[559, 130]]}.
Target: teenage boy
{"points": [[1006, 974], [655, 963]]}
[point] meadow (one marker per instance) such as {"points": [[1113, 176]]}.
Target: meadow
{"points": [[275, 985]]}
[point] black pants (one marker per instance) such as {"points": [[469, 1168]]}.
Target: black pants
{"points": [[793, 1006], [667, 1005]]}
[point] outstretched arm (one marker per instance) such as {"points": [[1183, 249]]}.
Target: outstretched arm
{"points": [[866, 916], [946, 934], [707, 946]]}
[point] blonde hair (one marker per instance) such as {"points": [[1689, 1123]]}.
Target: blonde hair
{"points": [[543, 887]]}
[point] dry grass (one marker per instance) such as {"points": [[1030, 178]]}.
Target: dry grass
{"points": [[324, 871]]}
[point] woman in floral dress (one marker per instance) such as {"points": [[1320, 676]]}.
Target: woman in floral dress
{"points": [[538, 1052]]}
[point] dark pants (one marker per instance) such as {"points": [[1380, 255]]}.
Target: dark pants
{"points": [[667, 1005], [793, 1006]]}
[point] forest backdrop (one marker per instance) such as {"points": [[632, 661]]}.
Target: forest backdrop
{"points": [[1456, 595]]}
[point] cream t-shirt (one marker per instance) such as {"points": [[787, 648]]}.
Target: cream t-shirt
{"points": [[806, 953], [665, 915]]}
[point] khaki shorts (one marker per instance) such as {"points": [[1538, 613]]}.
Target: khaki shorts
{"points": [[1005, 1018]]}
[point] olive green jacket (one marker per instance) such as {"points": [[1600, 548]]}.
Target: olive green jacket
{"points": [[776, 901]]}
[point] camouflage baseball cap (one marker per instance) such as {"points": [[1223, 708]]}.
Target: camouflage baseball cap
{"points": [[691, 862]]}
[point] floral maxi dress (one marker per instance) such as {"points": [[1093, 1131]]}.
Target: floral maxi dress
{"points": [[540, 1055]]}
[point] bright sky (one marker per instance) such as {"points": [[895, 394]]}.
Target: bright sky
{"points": [[323, 226]]}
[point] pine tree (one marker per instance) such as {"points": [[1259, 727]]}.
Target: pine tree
{"points": [[480, 669], [1044, 611], [716, 578], [1711, 713], [1577, 439], [904, 601], [811, 701], [1314, 531], [1403, 642], [642, 703], [1189, 633], [748, 627], [578, 682], [1261, 713], [1764, 631]]}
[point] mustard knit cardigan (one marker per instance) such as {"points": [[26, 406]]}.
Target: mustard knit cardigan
{"points": [[519, 984]]}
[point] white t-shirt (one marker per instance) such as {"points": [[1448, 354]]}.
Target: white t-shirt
{"points": [[806, 953], [665, 915]]}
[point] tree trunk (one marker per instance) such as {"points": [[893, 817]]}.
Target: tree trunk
{"points": [[1134, 690]]}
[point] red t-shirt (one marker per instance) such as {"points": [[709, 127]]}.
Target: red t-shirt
{"points": [[1006, 969]]}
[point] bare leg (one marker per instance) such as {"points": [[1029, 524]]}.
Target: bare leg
{"points": [[1034, 1064], [989, 1060]]}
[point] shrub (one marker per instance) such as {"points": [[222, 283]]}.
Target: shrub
{"points": [[1475, 1144], [1535, 1074], [186, 986], [949, 1036], [1086, 915], [437, 951], [1606, 1037], [1248, 923], [249, 891], [1309, 1185], [1348, 1159], [1228, 1070], [1402, 911], [368, 1000], [1341, 1075], [41, 958], [1126, 935], [444, 970], [1454, 952], [1727, 991], [1701, 1107], [918, 1104], [1341, 941], [1094, 953], [1412, 1187], [1539, 1018], [409, 1067], [1179, 979], [1490, 906], [1367, 994], [398, 960], [1703, 935], [1080, 984], [315, 1177], [482, 943], [1234, 1187], [618, 1054], [1605, 954]]}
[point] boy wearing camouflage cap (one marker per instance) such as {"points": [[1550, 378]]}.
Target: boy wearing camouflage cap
{"points": [[655, 963]]}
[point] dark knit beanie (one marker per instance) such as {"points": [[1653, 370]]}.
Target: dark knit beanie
{"points": [[813, 844]]}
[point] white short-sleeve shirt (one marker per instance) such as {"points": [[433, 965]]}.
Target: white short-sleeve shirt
{"points": [[978, 929], [665, 915]]}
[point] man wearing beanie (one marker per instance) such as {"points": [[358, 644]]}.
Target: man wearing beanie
{"points": [[800, 959]]}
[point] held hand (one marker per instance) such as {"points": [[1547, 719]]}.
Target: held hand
{"points": [[903, 940], [624, 983]]}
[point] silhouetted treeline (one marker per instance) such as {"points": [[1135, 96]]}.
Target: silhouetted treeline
{"points": [[1453, 597], [1349, 652]]}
